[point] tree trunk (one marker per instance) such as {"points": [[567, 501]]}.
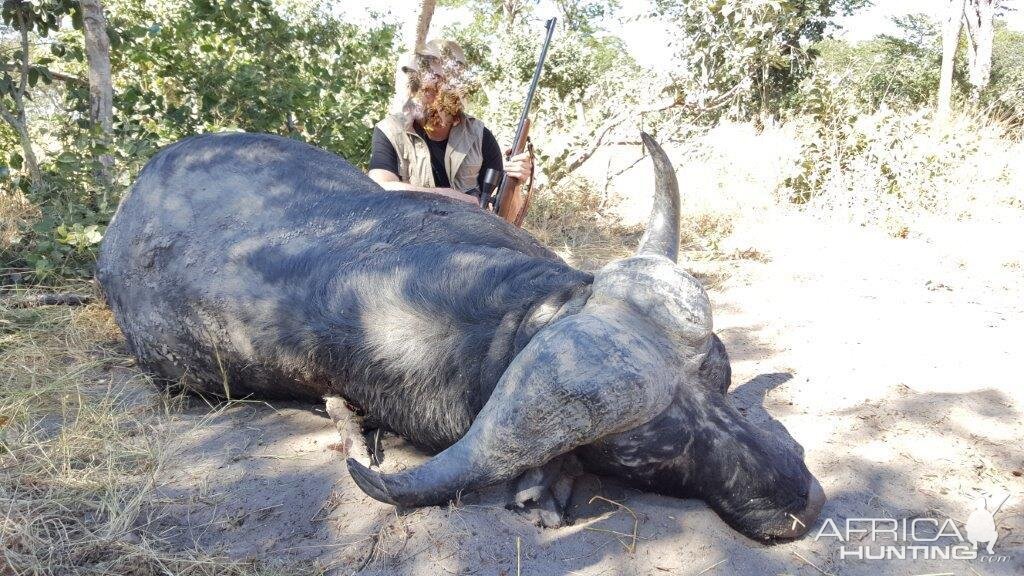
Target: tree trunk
{"points": [[512, 9], [950, 39], [97, 51], [980, 17], [18, 119], [414, 36], [31, 165], [101, 90]]}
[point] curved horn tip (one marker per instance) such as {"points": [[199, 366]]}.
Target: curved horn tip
{"points": [[662, 234], [369, 482], [657, 152]]}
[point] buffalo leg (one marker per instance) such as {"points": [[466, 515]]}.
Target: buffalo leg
{"points": [[543, 494], [350, 429]]}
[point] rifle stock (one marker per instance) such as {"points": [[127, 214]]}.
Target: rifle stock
{"points": [[511, 200]]}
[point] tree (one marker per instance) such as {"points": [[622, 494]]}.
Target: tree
{"points": [[101, 90], [181, 67], [980, 18], [582, 15], [24, 17], [512, 10], [194, 66], [414, 35], [590, 87], [953, 19], [97, 51], [1005, 97], [745, 57], [899, 71]]}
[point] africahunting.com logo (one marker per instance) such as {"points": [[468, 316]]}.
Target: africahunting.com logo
{"points": [[919, 538]]}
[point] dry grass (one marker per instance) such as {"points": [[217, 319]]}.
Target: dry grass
{"points": [[577, 223], [16, 213], [81, 451], [901, 173], [725, 175], [893, 172]]}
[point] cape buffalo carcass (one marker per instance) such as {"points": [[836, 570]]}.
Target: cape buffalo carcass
{"points": [[256, 265]]}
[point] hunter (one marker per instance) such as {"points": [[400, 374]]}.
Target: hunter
{"points": [[432, 145]]}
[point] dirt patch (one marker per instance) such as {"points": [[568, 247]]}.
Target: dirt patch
{"points": [[902, 395], [892, 362]]}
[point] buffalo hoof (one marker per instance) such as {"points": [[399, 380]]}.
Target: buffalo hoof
{"points": [[543, 494], [350, 430]]}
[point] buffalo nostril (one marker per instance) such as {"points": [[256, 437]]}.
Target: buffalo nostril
{"points": [[815, 500], [804, 491], [798, 523]]}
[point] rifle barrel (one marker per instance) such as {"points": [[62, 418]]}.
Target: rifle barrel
{"points": [[517, 144]]}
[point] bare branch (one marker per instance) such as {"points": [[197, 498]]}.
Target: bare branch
{"points": [[602, 132], [10, 119], [64, 299], [60, 76]]}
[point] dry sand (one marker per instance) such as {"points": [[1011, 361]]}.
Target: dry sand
{"points": [[894, 363]]}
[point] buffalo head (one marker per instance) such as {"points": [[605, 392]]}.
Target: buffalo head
{"points": [[634, 383]]}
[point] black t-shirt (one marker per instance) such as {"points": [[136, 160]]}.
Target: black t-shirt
{"points": [[383, 155]]}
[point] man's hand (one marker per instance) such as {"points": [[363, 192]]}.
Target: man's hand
{"points": [[389, 181], [519, 166], [454, 194]]}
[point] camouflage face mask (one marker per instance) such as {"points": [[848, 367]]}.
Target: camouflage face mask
{"points": [[446, 77]]}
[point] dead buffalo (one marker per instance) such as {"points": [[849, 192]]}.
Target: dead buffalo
{"points": [[250, 264]]}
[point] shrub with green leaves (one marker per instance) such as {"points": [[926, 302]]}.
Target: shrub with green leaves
{"points": [[180, 67], [746, 57], [1005, 97], [204, 65], [891, 170]]}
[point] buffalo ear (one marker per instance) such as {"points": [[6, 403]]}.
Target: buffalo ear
{"points": [[662, 234]]}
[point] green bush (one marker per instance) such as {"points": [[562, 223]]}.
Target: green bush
{"points": [[1005, 97], [892, 169], [180, 68]]}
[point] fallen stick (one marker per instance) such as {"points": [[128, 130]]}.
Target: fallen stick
{"points": [[712, 566], [811, 564], [65, 299], [519, 561], [631, 548]]}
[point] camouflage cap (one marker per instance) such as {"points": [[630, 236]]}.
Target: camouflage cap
{"points": [[444, 49], [439, 49]]}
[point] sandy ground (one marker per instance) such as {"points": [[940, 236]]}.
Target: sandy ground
{"points": [[894, 363]]}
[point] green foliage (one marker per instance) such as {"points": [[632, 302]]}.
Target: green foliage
{"points": [[181, 67], [894, 170], [588, 80], [20, 72], [864, 97], [290, 67], [745, 57], [505, 53], [1005, 97], [582, 15], [205, 65], [900, 72]]}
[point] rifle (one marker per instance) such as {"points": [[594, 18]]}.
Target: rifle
{"points": [[510, 202]]}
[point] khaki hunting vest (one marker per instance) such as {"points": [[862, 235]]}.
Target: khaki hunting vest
{"points": [[462, 157]]}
